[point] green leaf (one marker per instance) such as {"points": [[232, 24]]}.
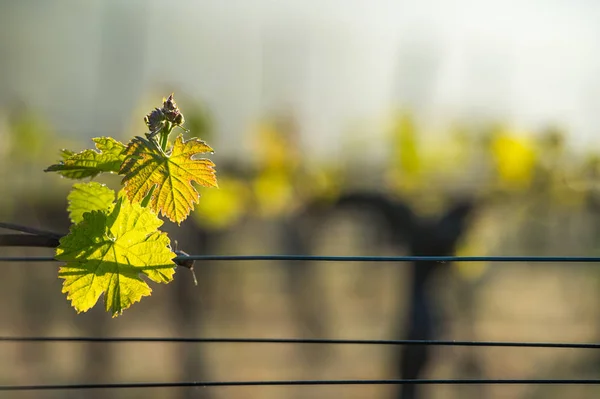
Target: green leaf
{"points": [[65, 154], [148, 197], [90, 163], [87, 197], [147, 166], [108, 252]]}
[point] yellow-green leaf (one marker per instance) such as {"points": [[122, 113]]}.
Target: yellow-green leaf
{"points": [[90, 163], [146, 166], [87, 197], [107, 252]]}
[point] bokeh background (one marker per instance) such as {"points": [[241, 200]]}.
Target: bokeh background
{"points": [[340, 128]]}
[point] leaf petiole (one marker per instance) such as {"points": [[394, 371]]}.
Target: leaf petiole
{"points": [[164, 135]]}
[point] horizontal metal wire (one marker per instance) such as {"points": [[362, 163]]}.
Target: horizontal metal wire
{"points": [[320, 258], [291, 382], [305, 341]]}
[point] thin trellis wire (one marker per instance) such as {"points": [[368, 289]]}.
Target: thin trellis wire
{"points": [[441, 259], [321, 258], [305, 341], [294, 382]]}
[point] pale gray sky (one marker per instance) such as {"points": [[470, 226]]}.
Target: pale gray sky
{"points": [[335, 62]]}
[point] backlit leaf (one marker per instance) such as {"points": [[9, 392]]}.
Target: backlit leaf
{"points": [[87, 197], [515, 158], [405, 147], [225, 206], [108, 252], [147, 166], [90, 163]]}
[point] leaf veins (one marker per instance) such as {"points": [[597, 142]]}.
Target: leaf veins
{"points": [[147, 166]]}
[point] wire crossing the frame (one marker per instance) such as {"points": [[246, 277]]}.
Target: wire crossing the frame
{"points": [[303, 341], [294, 382], [322, 258]]}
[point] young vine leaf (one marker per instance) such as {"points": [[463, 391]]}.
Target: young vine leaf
{"points": [[171, 173], [108, 251], [90, 163], [87, 197], [112, 243]]}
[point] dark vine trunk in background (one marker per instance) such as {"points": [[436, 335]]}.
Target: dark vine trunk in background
{"points": [[424, 238], [427, 238]]}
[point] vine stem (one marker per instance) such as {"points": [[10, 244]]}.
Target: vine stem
{"points": [[164, 136], [37, 238], [32, 238], [27, 240], [29, 230]]}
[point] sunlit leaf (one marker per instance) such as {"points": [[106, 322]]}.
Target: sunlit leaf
{"points": [[87, 197], [274, 146], [405, 148], [66, 154], [108, 252], [225, 206], [147, 166], [515, 159], [90, 163], [274, 191]]}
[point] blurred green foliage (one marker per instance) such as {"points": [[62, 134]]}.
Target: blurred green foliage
{"points": [[426, 168]]}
